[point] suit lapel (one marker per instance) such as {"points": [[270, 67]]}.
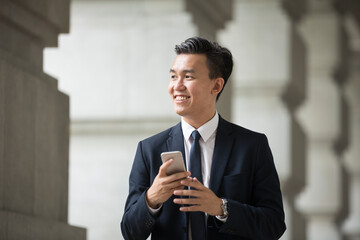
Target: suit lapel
{"points": [[223, 145], [175, 142]]}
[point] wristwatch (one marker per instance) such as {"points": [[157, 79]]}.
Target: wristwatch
{"points": [[224, 208]]}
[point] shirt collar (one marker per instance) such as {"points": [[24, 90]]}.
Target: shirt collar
{"points": [[205, 130]]}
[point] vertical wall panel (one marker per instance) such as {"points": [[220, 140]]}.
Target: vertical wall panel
{"points": [[33, 127], [19, 141]]}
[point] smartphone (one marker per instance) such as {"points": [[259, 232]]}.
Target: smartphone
{"points": [[177, 165]]}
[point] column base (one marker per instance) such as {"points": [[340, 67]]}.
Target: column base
{"points": [[19, 226]]}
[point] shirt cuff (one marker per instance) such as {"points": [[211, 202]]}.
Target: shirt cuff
{"points": [[222, 219], [153, 211]]}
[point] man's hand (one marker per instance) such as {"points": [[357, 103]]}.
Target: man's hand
{"points": [[205, 200], [164, 185]]}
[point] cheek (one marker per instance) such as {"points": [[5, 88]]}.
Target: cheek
{"points": [[170, 88], [198, 91]]}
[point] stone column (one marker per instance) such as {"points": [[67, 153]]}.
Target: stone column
{"points": [[267, 87], [351, 226], [320, 201], [210, 16], [34, 125]]}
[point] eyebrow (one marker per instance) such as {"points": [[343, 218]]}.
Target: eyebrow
{"points": [[185, 71]]}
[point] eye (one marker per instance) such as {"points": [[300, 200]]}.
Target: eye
{"points": [[173, 77], [189, 77]]}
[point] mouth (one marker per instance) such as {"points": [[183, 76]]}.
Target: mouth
{"points": [[181, 98]]}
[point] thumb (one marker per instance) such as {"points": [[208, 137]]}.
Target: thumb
{"points": [[164, 166]]}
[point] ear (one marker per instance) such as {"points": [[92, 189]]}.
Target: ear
{"points": [[218, 86]]}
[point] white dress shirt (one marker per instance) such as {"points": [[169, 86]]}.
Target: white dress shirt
{"points": [[207, 144]]}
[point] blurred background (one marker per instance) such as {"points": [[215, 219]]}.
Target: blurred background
{"points": [[74, 106]]}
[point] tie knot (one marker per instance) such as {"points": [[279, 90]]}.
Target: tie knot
{"points": [[195, 135]]}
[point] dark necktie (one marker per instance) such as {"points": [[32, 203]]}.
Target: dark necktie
{"points": [[197, 219]]}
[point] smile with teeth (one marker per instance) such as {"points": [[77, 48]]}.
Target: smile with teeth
{"points": [[181, 98]]}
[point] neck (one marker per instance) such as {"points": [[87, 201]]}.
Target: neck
{"points": [[199, 121]]}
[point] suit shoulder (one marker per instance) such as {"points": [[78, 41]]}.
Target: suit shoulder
{"points": [[240, 131], [159, 138]]}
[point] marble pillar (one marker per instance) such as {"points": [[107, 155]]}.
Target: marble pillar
{"points": [[319, 202], [210, 16], [351, 226], [34, 125], [267, 87]]}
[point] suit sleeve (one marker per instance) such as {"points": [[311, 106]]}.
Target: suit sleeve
{"points": [[263, 217], [137, 222]]}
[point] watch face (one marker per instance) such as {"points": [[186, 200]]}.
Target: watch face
{"points": [[224, 207]]}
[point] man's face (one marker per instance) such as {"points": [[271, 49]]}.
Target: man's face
{"points": [[192, 91]]}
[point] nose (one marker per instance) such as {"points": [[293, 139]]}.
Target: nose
{"points": [[179, 84]]}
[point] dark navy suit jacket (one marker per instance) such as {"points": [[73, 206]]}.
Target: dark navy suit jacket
{"points": [[242, 171]]}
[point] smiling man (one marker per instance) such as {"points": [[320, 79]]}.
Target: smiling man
{"points": [[231, 189]]}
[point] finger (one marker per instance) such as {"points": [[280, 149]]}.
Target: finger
{"points": [[181, 187], [178, 176], [186, 201], [164, 166], [186, 181], [192, 193], [194, 183], [175, 179], [173, 186], [193, 208]]}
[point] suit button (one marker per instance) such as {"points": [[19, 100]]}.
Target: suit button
{"points": [[230, 230]]}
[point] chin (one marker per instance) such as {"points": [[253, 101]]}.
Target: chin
{"points": [[180, 112]]}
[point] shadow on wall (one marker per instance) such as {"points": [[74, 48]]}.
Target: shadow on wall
{"points": [[293, 97]]}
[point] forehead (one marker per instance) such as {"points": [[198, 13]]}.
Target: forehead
{"points": [[196, 62]]}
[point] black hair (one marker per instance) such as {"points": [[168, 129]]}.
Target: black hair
{"points": [[218, 59]]}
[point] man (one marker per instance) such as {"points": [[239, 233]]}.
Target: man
{"points": [[232, 190]]}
